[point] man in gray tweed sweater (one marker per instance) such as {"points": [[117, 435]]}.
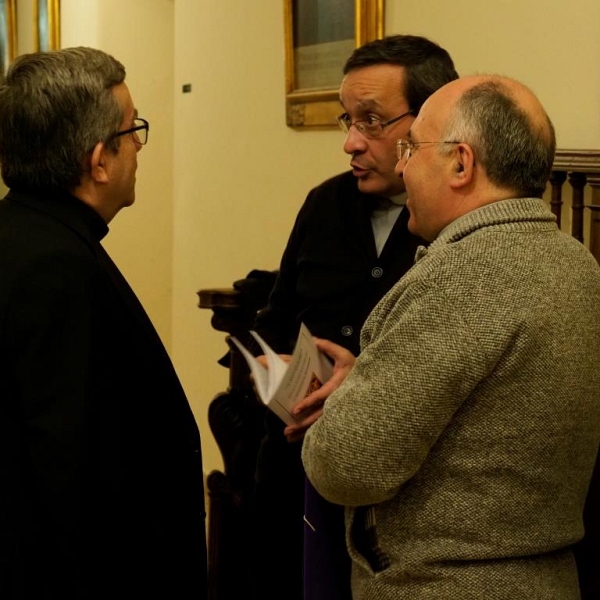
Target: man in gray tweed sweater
{"points": [[463, 438]]}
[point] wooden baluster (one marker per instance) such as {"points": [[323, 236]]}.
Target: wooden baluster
{"points": [[233, 422], [577, 181], [594, 207], [236, 420], [557, 178]]}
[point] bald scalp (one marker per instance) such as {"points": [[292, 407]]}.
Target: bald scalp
{"points": [[508, 129]]}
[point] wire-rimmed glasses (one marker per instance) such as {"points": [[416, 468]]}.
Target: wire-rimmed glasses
{"points": [[371, 127], [405, 148]]}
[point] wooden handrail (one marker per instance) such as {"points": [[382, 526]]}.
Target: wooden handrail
{"points": [[580, 167], [578, 161]]}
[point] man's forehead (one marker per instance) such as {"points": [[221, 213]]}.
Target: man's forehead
{"points": [[369, 104], [374, 86]]}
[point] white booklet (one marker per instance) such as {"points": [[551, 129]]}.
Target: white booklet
{"points": [[283, 384]]}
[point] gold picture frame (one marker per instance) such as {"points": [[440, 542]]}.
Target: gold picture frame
{"points": [[46, 17], [8, 33], [46, 28], [311, 93]]}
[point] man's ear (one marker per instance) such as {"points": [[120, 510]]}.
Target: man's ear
{"points": [[99, 163], [463, 166]]}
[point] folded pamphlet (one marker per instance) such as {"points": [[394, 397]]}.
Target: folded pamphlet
{"points": [[283, 384]]}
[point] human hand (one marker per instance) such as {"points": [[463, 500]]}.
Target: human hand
{"points": [[309, 409]]}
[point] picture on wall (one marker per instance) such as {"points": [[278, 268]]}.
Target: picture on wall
{"points": [[39, 22], [8, 33], [319, 36], [47, 24]]}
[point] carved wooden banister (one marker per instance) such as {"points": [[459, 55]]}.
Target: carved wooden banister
{"points": [[580, 168], [236, 421]]}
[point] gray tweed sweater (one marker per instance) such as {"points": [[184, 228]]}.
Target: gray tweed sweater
{"points": [[465, 435]]}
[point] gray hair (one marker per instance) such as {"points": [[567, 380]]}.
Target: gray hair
{"points": [[515, 152], [54, 108]]}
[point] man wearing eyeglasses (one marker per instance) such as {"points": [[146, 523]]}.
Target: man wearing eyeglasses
{"points": [[101, 488], [477, 386], [350, 244]]}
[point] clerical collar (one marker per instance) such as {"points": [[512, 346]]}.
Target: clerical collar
{"points": [[387, 203], [400, 199]]}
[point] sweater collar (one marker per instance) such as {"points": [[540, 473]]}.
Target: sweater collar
{"points": [[526, 213], [531, 213]]}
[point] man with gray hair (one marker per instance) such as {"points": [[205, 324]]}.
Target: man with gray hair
{"points": [[464, 435], [101, 490]]}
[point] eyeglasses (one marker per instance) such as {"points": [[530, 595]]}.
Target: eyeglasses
{"points": [[405, 148], [139, 130], [371, 127]]}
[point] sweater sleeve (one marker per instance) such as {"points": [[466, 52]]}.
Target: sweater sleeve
{"points": [[376, 430]]}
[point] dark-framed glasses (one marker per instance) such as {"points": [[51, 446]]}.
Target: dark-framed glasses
{"points": [[405, 148], [139, 131], [371, 127]]}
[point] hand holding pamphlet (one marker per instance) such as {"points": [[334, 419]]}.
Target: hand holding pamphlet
{"points": [[282, 384]]}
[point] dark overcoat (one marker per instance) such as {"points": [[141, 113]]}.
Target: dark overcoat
{"points": [[101, 489]]}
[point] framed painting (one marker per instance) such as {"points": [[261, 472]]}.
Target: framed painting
{"points": [[319, 36], [46, 16], [17, 36], [8, 33]]}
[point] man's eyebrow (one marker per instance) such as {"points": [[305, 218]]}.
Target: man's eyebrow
{"points": [[369, 104], [135, 113]]}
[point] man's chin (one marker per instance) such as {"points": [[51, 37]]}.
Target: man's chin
{"points": [[413, 227], [377, 187], [128, 202], [370, 185]]}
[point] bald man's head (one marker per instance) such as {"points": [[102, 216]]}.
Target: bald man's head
{"points": [[507, 128]]}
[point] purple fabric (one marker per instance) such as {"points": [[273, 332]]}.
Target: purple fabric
{"points": [[326, 560]]}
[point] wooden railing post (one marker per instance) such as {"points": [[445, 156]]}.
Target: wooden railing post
{"points": [[582, 167], [236, 420], [577, 181], [557, 179], [594, 182]]}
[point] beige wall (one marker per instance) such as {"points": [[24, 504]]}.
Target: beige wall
{"points": [[222, 178], [240, 173], [139, 33], [551, 46]]}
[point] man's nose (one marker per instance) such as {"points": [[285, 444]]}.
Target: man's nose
{"points": [[355, 141]]}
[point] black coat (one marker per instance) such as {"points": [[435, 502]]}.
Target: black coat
{"points": [[330, 276], [101, 492]]}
